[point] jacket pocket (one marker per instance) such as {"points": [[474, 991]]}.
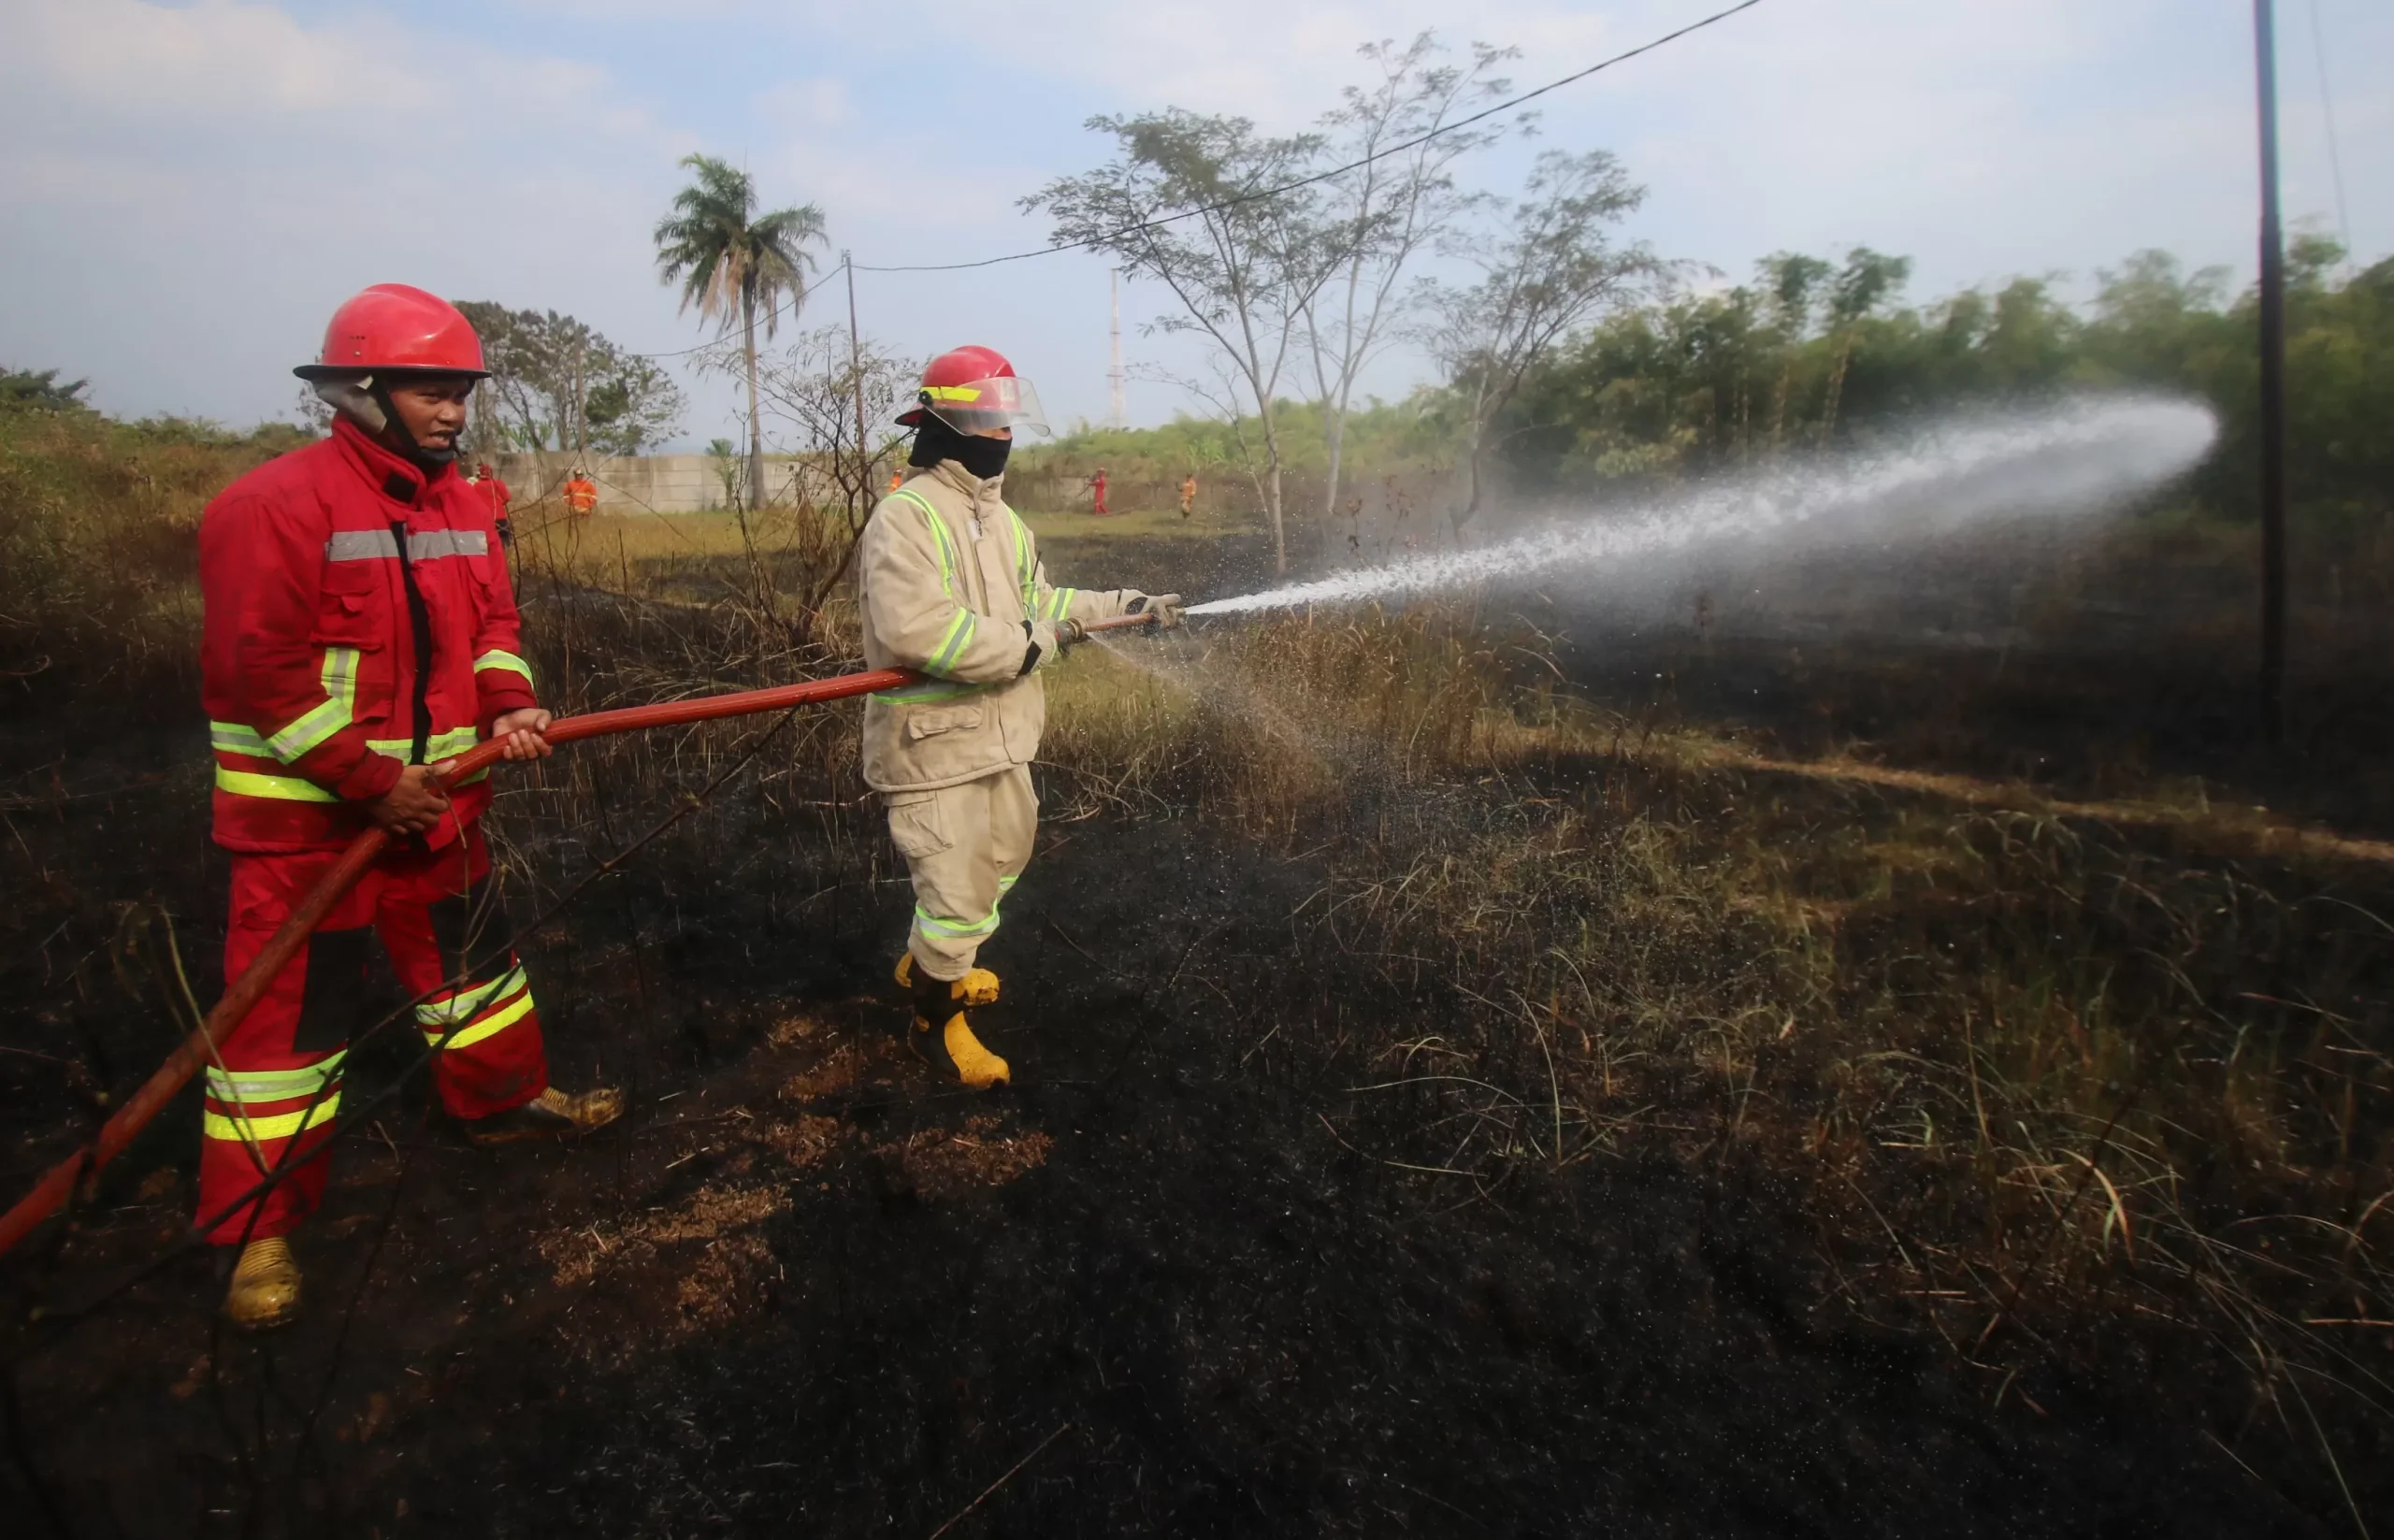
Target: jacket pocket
{"points": [[916, 826], [932, 721], [353, 610]]}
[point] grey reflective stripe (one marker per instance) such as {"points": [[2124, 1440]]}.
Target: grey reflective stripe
{"points": [[424, 545], [362, 545], [427, 544]]}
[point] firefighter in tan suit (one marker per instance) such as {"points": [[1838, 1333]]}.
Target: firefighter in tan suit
{"points": [[953, 587]]}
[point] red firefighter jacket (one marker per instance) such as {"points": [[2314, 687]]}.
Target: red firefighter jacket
{"points": [[359, 619]]}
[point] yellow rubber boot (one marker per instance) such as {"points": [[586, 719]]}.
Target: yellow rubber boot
{"points": [[941, 1003], [265, 1287], [551, 1115]]}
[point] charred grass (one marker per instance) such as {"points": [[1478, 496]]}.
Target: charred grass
{"points": [[1528, 1011]]}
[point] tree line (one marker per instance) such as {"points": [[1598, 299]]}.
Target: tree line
{"points": [[1813, 352], [1810, 352]]}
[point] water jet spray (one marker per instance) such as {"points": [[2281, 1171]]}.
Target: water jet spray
{"points": [[2084, 455]]}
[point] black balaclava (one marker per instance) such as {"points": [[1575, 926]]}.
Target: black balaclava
{"points": [[934, 441]]}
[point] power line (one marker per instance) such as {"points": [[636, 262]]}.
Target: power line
{"points": [[1264, 193], [2335, 154], [1335, 171]]}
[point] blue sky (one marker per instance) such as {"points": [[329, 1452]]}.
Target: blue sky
{"points": [[187, 190]]}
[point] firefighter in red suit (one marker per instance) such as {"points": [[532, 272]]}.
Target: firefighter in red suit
{"points": [[494, 491], [360, 630]]}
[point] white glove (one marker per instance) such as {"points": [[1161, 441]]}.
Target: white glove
{"points": [[1165, 608], [1040, 646]]}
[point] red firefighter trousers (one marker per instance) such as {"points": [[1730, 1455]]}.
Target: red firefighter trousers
{"points": [[437, 915]]}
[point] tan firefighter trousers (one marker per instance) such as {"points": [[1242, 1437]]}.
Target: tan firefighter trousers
{"points": [[964, 845]]}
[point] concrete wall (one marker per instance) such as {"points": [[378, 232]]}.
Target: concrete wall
{"points": [[644, 483]]}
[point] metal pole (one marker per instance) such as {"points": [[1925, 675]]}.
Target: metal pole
{"points": [[2273, 425], [1114, 374]]}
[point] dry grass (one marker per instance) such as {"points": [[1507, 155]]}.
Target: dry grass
{"points": [[97, 575], [2038, 1065]]}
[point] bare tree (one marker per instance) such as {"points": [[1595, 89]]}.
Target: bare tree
{"points": [[1244, 262], [1551, 267], [1395, 205], [814, 386]]}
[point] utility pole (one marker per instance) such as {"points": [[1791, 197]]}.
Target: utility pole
{"points": [[856, 370], [1122, 416], [2272, 385], [580, 411]]}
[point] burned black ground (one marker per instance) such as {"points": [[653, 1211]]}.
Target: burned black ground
{"points": [[1204, 1299]]}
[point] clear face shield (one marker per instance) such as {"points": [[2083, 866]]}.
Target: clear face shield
{"points": [[1002, 401]]}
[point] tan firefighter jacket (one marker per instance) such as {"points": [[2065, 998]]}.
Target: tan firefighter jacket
{"points": [[948, 576]]}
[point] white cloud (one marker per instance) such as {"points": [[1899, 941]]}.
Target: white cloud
{"points": [[192, 189]]}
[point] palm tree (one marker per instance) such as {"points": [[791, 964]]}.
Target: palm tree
{"points": [[732, 261]]}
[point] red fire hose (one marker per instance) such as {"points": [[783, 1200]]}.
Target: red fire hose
{"points": [[160, 1089]]}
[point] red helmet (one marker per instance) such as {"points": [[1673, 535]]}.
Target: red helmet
{"points": [[393, 326], [972, 390]]}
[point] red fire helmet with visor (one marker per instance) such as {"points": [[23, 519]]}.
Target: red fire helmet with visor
{"points": [[974, 390]]}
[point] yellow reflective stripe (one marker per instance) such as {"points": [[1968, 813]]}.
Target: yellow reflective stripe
{"points": [[468, 1036], [1059, 600], [462, 1005], [310, 730], [440, 746], [286, 788], [960, 630], [272, 1085], [233, 738], [310, 727], [936, 924], [952, 392], [498, 658], [959, 636], [942, 924], [339, 674], [249, 1130], [938, 538], [915, 695], [1022, 564]]}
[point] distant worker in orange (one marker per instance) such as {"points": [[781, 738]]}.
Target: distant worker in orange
{"points": [[495, 493], [581, 493], [1188, 493], [1097, 489], [897, 480]]}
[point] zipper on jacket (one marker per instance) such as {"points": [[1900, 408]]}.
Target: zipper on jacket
{"points": [[419, 621]]}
